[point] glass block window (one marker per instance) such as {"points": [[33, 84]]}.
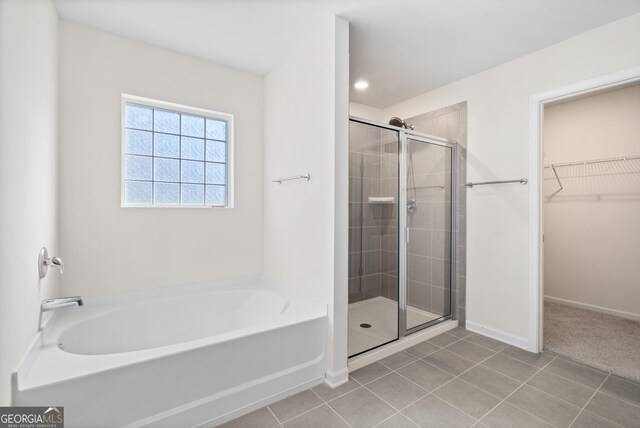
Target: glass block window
{"points": [[174, 157]]}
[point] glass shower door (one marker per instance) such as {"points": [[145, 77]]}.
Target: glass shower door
{"points": [[428, 267], [373, 236]]}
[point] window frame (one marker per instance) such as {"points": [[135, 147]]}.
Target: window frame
{"points": [[153, 103]]}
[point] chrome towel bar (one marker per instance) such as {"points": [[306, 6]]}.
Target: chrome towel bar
{"points": [[522, 181], [295, 177]]}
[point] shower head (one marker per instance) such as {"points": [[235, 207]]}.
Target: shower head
{"points": [[396, 121]]}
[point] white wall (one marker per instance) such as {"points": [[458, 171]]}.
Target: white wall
{"points": [[338, 307], [498, 144], [601, 125], [592, 227], [28, 165], [306, 131], [367, 112], [110, 249]]}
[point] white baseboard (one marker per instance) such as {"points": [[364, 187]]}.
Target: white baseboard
{"points": [[519, 342], [335, 379], [400, 345], [595, 308]]}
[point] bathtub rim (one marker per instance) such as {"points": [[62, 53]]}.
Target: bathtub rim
{"points": [[62, 332]]}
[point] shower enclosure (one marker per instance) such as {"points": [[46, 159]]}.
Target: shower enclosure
{"points": [[401, 257]]}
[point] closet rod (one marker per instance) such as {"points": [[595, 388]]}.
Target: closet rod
{"points": [[588, 162]]}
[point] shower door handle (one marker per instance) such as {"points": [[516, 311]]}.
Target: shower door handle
{"points": [[406, 235]]}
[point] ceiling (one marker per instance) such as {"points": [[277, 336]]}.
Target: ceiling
{"points": [[403, 48]]}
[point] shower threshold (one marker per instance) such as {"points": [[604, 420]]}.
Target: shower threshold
{"points": [[373, 322]]}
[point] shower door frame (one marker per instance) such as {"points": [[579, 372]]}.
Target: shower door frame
{"points": [[403, 136], [403, 230]]}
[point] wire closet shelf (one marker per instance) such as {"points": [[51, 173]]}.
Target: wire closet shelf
{"points": [[592, 176]]}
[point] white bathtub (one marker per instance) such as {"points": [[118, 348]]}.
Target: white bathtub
{"points": [[176, 357]]}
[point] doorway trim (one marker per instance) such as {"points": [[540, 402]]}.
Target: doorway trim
{"points": [[536, 221]]}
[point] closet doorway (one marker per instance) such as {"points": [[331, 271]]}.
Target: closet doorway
{"points": [[591, 229]]}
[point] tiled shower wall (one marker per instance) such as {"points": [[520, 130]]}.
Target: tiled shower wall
{"points": [[451, 123], [373, 226]]}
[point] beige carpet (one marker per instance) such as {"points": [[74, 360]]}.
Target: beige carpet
{"points": [[603, 341]]}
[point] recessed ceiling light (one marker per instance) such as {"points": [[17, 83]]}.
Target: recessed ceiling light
{"points": [[361, 85]]}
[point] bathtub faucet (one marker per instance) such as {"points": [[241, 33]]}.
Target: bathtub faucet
{"points": [[59, 303]]}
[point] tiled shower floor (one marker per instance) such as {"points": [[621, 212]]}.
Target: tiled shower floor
{"points": [[462, 379]]}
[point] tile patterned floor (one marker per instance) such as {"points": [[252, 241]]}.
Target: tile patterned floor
{"points": [[462, 379]]}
